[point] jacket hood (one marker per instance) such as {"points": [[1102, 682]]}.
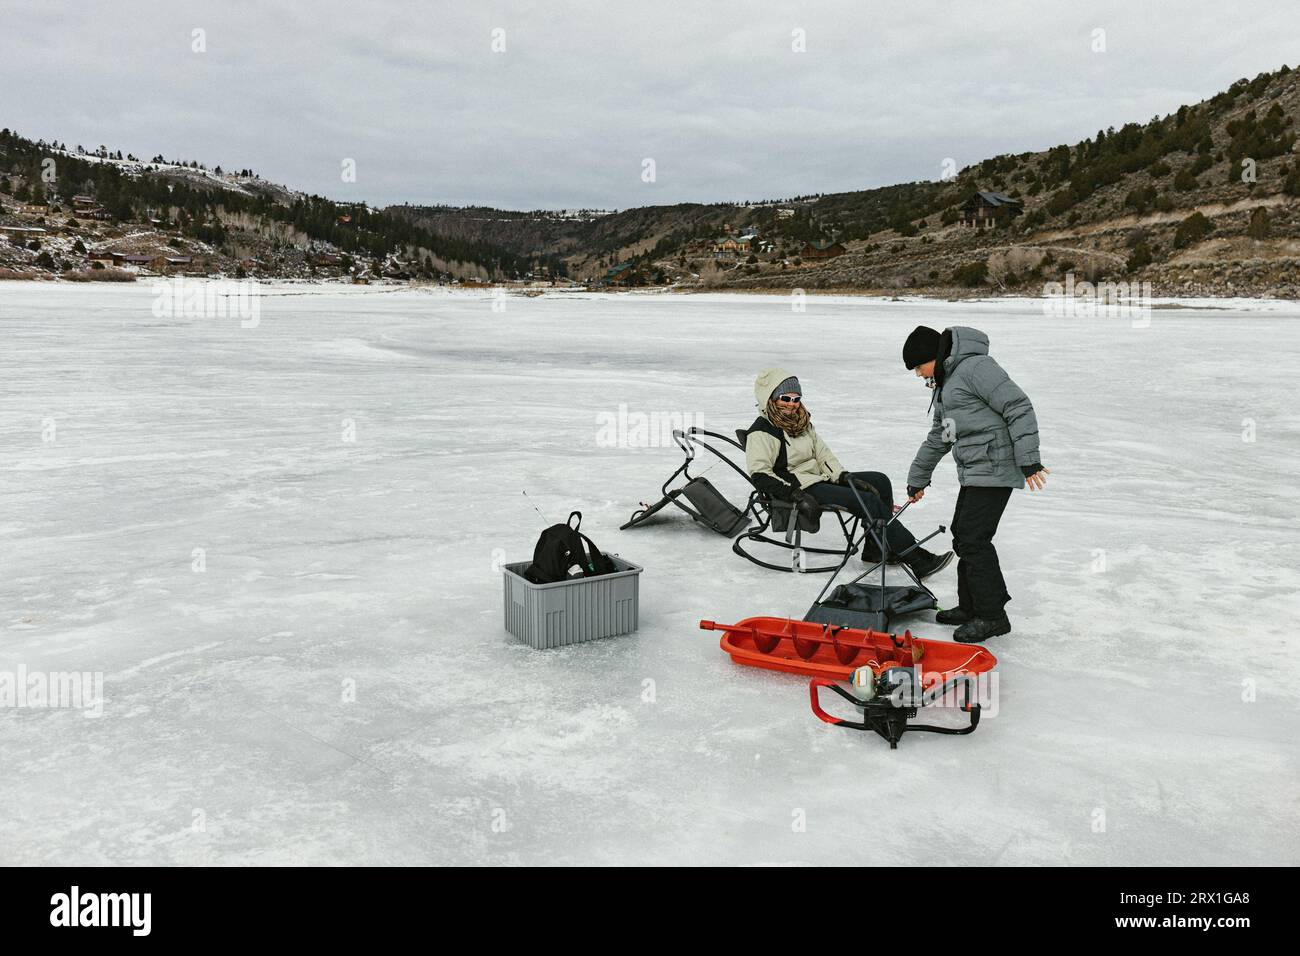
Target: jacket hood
{"points": [[966, 342], [767, 381]]}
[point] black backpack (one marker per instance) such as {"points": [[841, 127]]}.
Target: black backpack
{"points": [[560, 547]]}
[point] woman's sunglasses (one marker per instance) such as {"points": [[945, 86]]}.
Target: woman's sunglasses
{"points": [[792, 399]]}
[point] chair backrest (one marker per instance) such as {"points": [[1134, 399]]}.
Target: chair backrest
{"points": [[699, 436], [713, 509]]}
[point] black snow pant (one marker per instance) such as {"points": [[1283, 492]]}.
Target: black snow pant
{"points": [[878, 506], [981, 590]]}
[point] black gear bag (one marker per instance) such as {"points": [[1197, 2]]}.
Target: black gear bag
{"points": [[560, 548]]}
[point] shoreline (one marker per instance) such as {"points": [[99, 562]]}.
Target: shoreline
{"points": [[1206, 302]]}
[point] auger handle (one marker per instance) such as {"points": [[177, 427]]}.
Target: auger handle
{"points": [[734, 628], [813, 684], [818, 682]]}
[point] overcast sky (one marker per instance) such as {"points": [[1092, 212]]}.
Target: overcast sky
{"points": [[585, 91]]}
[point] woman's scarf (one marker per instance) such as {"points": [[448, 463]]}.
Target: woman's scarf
{"points": [[790, 419]]}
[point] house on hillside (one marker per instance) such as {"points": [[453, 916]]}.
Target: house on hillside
{"points": [[822, 250], [988, 209], [728, 246], [625, 273], [124, 259], [86, 207], [91, 210]]}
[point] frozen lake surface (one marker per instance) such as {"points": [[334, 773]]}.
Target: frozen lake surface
{"points": [[327, 681]]}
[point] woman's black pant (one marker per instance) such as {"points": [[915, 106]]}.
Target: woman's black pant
{"points": [[879, 505], [981, 590]]}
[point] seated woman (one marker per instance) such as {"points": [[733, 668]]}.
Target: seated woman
{"points": [[787, 460]]}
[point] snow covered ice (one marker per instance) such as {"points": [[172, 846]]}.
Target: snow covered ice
{"points": [[280, 546]]}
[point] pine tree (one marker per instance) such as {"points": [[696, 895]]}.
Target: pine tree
{"points": [[1259, 227], [1141, 257], [1192, 230]]}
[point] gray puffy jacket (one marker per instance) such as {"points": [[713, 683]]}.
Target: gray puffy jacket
{"points": [[981, 415]]}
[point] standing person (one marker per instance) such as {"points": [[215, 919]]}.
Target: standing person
{"points": [[990, 423], [787, 459]]}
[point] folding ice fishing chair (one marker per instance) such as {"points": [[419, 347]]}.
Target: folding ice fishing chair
{"points": [[708, 506], [873, 606]]}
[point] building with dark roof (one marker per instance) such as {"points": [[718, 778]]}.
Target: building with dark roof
{"points": [[625, 273], [989, 209]]}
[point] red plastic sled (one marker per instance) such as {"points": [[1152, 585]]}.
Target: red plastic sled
{"points": [[824, 650]]}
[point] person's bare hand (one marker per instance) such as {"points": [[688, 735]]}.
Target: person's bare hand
{"points": [[918, 496], [1038, 479]]}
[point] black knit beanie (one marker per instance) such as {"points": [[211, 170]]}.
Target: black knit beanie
{"points": [[921, 346]]}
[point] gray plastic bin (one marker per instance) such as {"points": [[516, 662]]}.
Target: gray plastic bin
{"points": [[573, 611]]}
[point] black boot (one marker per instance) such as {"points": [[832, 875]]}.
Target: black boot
{"points": [[925, 563], [981, 629], [954, 615]]}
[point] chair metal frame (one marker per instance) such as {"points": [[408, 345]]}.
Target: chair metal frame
{"points": [[772, 515]]}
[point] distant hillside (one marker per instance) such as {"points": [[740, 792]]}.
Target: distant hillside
{"points": [[592, 242], [1161, 201], [221, 221], [1205, 200]]}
